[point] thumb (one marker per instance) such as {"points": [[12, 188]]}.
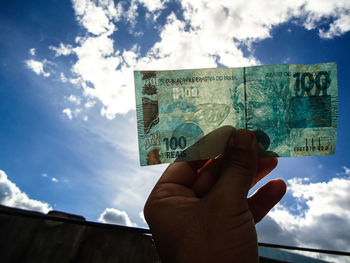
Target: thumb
{"points": [[239, 168]]}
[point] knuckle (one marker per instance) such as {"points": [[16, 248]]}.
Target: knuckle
{"points": [[242, 160]]}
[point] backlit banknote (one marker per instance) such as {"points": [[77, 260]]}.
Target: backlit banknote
{"points": [[292, 109]]}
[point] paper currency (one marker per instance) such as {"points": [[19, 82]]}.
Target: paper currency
{"points": [[292, 109]]}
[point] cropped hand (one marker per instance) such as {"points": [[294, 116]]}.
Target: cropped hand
{"points": [[199, 212]]}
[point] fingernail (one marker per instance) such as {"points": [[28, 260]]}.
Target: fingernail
{"points": [[241, 139]]}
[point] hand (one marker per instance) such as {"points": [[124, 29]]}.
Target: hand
{"points": [[202, 214]]}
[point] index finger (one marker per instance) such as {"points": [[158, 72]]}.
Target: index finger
{"points": [[184, 173], [209, 173], [265, 166]]}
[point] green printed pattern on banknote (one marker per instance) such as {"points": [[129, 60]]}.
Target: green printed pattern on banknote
{"points": [[291, 108]]}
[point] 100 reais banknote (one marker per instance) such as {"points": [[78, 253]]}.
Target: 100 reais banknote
{"points": [[292, 109]]}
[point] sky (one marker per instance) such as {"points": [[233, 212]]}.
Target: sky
{"points": [[68, 137]]}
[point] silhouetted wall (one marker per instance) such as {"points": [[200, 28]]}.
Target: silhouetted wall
{"points": [[34, 237], [27, 237]]}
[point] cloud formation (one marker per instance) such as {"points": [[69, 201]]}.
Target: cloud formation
{"points": [[115, 216], [68, 113], [154, 5], [62, 50], [54, 179], [337, 11], [37, 66], [32, 51], [74, 99], [97, 17], [11, 195], [321, 217], [211, 33]]}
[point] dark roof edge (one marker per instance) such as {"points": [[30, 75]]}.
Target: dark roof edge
{"points": [[38, 215]]}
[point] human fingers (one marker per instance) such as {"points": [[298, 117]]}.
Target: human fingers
{"points": [[265, 166], [207, 177], [183, 173], [210, 173], [266, 197], [176, 180], [239, 167]]}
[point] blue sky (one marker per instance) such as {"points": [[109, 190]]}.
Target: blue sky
{"points": [[67, 120]]}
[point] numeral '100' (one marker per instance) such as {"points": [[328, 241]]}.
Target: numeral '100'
{"points": [[174, 142], [307, 83]]}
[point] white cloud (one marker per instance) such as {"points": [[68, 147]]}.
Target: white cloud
{"points": [[37, 67], [212, 32], [113, 12], [142, 216], [114, 88], [89, 104], [80, 6], [55, 180], [317, 10], [154, 5], [96, 21], [63, 78], [131, 14], [323, 222], [74, 99], [115, 216], [97, 17], [178, 48], [11, 195], [68, 112], [62, 50], [346, 171], [32, 51], [337, 28]]}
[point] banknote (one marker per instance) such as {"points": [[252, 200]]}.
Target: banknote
{"points": [[291, 108]]}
